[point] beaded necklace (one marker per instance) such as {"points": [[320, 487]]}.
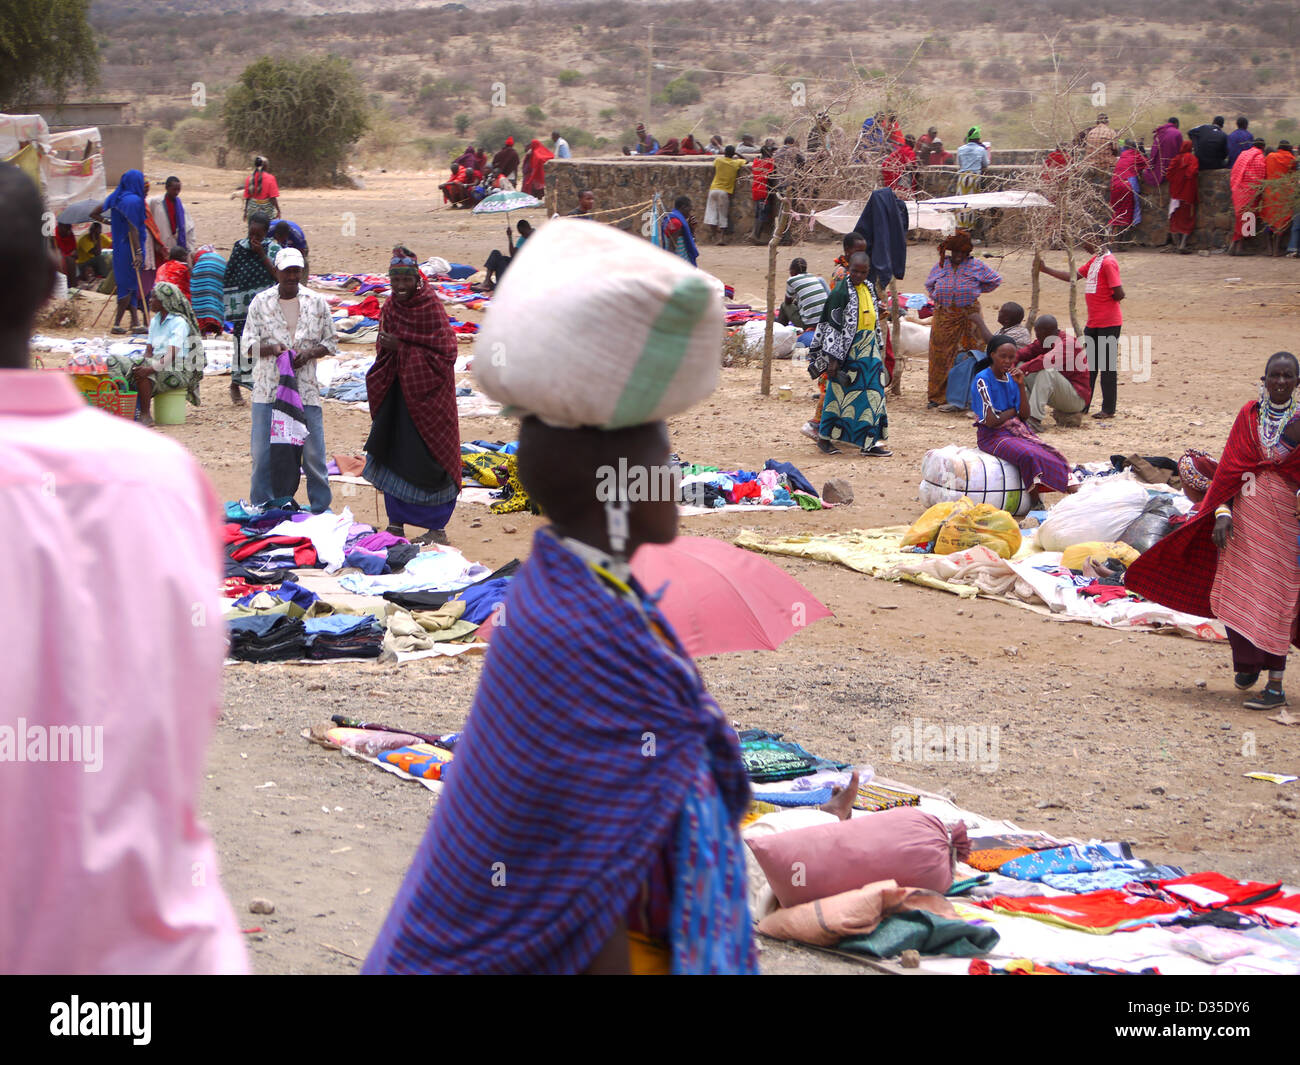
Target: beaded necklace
{"points": [[1273, 420]]}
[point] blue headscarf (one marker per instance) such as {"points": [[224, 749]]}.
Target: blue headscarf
{"points": [[128, 197]]}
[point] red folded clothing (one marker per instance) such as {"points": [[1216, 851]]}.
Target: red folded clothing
{"points": [[367, 308], [304, 554], [1213, 891]]}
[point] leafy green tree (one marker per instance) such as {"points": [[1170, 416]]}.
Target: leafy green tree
{"points": [[304, 113], [462, 123], [680, 91], [46, 47]]}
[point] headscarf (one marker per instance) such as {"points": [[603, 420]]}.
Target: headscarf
{"points": [[465, 159], [1196, 470], [973, 134], [128, 199], [535, 172], [959, 241], [689, 147], [191, 372]]}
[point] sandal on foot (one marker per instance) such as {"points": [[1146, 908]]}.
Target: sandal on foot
{"points": [[1269, 699], [827, 448], [1245, 681], [878, 451], [118, 331], [1102, 415], [947, 408], [433, 536], [396, 530]]}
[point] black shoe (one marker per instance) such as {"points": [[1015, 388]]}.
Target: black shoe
{"points": [[827, 448], [1245, 681], [1269, 699]]}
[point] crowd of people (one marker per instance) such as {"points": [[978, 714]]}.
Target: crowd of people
{"points": [[1234, 558]]}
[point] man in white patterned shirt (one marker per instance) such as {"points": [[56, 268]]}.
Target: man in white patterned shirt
{"points": [[287, 318]]}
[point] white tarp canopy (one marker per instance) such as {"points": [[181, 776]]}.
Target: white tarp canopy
{"points": [[936, 215], [71, 164]]}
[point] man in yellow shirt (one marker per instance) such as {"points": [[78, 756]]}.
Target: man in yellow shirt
{"points": [[91, 260], [717, 212]]}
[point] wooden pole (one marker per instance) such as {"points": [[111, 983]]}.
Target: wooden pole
{"points": [[773, 243], [1034, 289], [896, 385], [1074, 290], [649, 68]]}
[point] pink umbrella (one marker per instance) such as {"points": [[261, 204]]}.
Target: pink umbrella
{"points": [[722, 598]]}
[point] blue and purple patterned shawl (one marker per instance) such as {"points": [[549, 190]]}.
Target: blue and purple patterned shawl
{"points": [[590, 747]]}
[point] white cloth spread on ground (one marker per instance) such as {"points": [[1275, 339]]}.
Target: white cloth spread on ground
{"points": [[442, 569]]}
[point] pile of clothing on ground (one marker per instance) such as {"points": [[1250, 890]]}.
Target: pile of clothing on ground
{"points": [[777, 484], [283, 536], [416, 756], [906, 871], [438, 599]]}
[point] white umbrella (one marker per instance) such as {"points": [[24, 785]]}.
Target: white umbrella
{"points": [[504, 202]]}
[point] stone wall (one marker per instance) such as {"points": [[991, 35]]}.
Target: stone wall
{"points": [[620, 183]]}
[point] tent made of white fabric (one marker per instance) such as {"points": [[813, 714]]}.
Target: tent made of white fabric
{"points": [[70, 164]]}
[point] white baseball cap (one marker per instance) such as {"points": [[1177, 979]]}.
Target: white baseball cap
{"points": [[288, 257]]}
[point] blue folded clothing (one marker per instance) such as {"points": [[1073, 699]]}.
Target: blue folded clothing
{"points": [[338, 624]]}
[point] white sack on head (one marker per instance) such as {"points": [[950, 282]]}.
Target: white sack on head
{"points": [[593, 327]]}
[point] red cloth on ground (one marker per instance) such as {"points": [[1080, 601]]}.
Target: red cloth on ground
{"points": [[304, 554], [367, 308], [1096, 911], [1178, 570], [425, 363], [1233, 892]]}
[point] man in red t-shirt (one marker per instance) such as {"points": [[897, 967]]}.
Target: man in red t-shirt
{"points": [[1055, 366], [1102, 293], [763, 194]]}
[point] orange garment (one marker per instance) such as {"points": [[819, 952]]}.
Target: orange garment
{"points": [[1277, 203], [991, 861]]}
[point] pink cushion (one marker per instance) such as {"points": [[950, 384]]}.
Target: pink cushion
{"points": [[904, 845]]}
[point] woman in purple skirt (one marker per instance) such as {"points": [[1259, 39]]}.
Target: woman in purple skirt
{"points": [[1001, 404]]}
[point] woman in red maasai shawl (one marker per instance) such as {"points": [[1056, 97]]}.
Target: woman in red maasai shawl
{"points": [[413, 452], [1236, 560]]}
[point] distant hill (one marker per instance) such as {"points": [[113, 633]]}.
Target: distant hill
{"points": [[440, 77]]}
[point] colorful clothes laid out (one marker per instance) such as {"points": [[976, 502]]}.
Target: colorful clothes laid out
{"points": [[1083, 858], [992, 859], [877, 797], [1098, 912], [1216, 891], [924, 932], [768, 758], [586, 670], [421, 760], [1110, 879]]}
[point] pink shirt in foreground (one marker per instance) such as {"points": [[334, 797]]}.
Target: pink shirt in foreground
{"points": [[110, 621]]}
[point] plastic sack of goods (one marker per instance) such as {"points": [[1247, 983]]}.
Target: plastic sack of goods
{"points": [[1098, 511], [949, 527], [652, 313], [948, 473]]}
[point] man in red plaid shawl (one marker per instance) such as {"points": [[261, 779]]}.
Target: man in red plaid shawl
{"points": [[413, 452]]}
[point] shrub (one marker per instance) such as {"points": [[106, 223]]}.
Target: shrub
{"points": [[607, 114], [159, 140], [534, 114], [310, 111], [570, 77], [195, 135], [462, 122], [680, 91], [493, 134]]}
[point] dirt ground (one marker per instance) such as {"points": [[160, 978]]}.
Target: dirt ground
{"points": [[1101, 733]]}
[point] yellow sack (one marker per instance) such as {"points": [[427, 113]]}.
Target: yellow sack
{"points": [[982, 525], [1074, 556], [926, 527]]}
